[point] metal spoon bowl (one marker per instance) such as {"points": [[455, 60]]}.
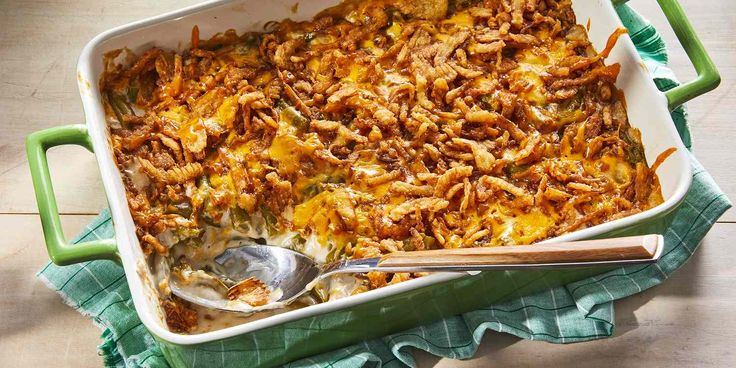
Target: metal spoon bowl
{"points": [[292, 274]]}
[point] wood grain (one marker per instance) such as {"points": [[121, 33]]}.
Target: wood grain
{"points": [[685, 322], [37, 329], [38, 89], [613, 249]]}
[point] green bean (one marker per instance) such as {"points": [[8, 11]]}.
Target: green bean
{"points": [[120, 107], [183, 209], [634, 151], [270, 219], [239, 217]]}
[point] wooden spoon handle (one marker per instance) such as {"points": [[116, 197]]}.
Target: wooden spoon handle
{"points": [[615, 249]]}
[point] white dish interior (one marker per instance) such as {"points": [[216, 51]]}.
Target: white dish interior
{"points": [[647, 110]]}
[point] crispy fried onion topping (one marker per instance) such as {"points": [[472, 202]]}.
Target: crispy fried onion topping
{"points": [[379, 126]]}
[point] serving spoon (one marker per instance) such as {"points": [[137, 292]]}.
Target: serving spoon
{"points": [[293, 273]]}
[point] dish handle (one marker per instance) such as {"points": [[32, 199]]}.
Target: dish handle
{"points": [[60, 251], [708, 77]]}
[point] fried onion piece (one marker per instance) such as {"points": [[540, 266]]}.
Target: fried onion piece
{"points": [[251, 291], [504, 185], [423, 9], [179, 317], [451, 176], [419, 204]]}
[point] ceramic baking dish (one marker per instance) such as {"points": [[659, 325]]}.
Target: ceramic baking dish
{"points": [[327, 326]]}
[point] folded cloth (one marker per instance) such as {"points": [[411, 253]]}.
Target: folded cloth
{"points": [[579, 311]]}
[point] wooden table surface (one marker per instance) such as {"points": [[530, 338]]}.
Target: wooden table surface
{"points": [[688, 321]]}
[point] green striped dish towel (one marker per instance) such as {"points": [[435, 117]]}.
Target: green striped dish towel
{"points": [[576, 312]]}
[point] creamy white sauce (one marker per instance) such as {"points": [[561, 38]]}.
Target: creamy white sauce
{"points": [[342, 285], [137, 176], [216, 240]]}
